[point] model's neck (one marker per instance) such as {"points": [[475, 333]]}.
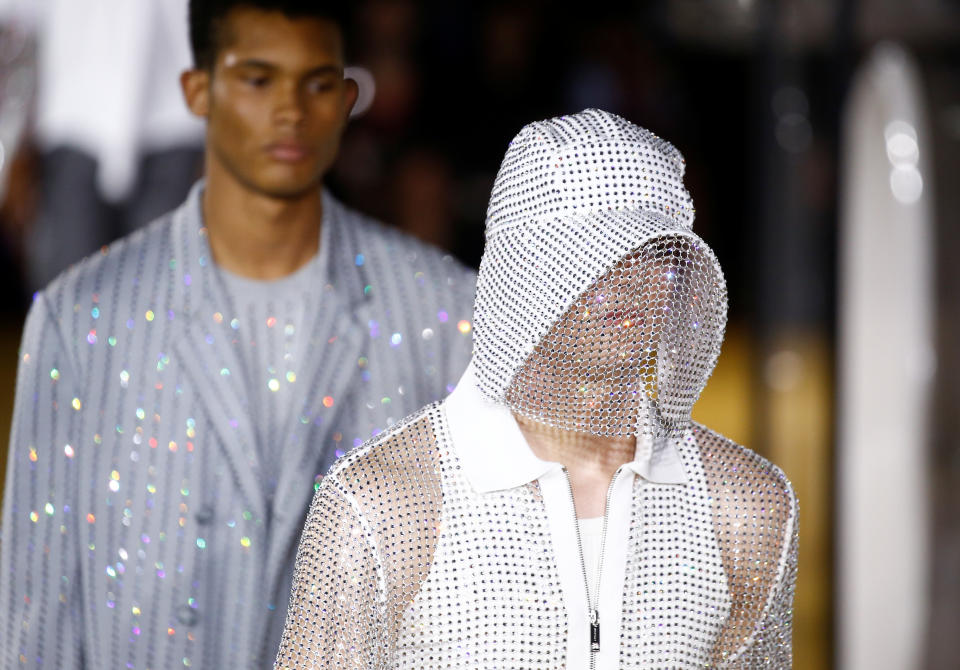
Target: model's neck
{"points": [[591, 460], [257, 236]]}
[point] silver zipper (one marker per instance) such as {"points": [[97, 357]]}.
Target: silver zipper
{"points": [[592, 604]]}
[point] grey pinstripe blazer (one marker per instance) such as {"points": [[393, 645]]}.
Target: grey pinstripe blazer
{"points": [[135, 528]]}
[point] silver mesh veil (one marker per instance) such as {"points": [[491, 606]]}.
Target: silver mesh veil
{"points": [[598, 311]]}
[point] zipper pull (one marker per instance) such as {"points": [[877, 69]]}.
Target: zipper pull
{"points": [[594, 630]]}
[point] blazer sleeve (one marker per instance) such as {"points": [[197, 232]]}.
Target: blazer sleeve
{"points": [[337, 612], [40, 602]]}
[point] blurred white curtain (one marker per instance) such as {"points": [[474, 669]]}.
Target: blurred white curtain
{"points": [[886, 363]]}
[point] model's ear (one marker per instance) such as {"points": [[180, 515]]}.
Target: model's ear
{"points": [[350, 93], [195, 85]]}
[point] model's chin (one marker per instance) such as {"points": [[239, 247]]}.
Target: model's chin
{"points": [[289, 184], [291, 192]]}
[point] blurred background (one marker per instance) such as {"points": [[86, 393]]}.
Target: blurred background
{"points": [[822, 140]]}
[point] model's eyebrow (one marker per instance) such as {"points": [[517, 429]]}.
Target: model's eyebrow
{"points": [[266, 65], [253, 63], [325, 70]]}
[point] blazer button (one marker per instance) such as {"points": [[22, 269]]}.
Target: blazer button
{"points": [[204, 515], [187, 615]]}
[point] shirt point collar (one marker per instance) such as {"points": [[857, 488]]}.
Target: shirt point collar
{"points": [[495, 455]]}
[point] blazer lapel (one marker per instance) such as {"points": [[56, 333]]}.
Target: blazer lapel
{"points": [[207, 349]]}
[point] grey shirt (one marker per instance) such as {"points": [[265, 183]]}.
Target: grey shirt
{"points": [[270, 317]]}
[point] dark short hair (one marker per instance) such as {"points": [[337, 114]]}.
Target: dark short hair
{"points": [[207, 18]]}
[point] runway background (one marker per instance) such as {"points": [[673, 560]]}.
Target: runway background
{"points": [[754, 94]]}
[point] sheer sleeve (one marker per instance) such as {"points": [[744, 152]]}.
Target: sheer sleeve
{"points": [[755, 520], [367, 548], [337, 605], [771, 645]]}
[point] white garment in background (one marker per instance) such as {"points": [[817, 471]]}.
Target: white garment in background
{"points": [[108, 80]]}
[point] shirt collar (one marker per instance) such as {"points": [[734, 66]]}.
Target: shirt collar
{"points": [[495, 455]]}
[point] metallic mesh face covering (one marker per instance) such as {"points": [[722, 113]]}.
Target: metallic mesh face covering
{"points": [[598, 310], [445, 543], [631, 355]]}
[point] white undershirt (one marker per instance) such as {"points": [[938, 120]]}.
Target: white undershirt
{"points": [[591, 537]]}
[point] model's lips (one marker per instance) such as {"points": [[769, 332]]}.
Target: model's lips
{"points": [[288, 152]]}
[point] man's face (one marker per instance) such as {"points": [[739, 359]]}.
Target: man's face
{"points": [[640, 331], [275, 101]]}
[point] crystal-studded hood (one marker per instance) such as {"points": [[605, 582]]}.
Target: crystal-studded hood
{"points": [[598, 309]]}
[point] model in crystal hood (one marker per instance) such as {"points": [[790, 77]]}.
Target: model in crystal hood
{"points": [[560, 509]]}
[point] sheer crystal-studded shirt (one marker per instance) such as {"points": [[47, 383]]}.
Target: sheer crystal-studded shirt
{"points": [[448, 543]]}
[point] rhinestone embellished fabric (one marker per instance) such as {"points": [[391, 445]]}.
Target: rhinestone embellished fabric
{"points": [[391, 535], [574, 196], [598, 311], [403, 565]]}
